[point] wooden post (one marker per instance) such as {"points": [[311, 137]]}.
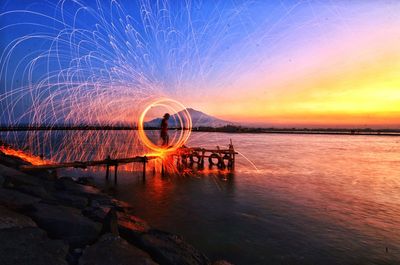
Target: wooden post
{"points": [[107, 171], [232, 150], [203, 152], [144, 168], [107, 168], [115, 174], [233, 159]]}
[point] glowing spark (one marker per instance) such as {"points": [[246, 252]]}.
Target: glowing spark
{"points": [[32, 159]]}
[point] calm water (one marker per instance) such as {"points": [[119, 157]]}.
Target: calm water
{"points": [[313, 199]]}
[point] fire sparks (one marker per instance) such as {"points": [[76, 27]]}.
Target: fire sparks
{"points": [[34, 160]]}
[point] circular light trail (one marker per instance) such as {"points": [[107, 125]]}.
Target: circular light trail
{"points": [[185, 124]]}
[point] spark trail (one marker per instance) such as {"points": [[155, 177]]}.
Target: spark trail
{"points": [[101, 62]]}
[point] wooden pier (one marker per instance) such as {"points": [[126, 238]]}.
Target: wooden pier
{"points": [[186, 157], [220, 158], [108, 162]]}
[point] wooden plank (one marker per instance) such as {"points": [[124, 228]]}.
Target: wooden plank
{"points": [[84, 164]]}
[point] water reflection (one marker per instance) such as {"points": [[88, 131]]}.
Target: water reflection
{"points": [[314, 200]]}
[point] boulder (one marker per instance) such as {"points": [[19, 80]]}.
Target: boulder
{"points": [[97, 214], [68, 199], [17, 177], [88, 181], [30, 245], [16, 200], [101, 200], [221, 262], [111, 249], [10, 219], [37, 191], [110, 224], [121, 205], [69, 185], [131, 227], [66, 223], [12, 161], [166, 248]]}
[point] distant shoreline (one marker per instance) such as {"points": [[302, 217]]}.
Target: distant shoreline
{"points": [[224, 129]]}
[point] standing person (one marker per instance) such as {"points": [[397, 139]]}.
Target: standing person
{"points": [[164, 130]]}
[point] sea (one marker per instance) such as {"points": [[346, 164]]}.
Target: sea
{"points": [[291, 199]]}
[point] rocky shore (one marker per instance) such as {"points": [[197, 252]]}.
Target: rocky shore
{"points": [[49, 220]]}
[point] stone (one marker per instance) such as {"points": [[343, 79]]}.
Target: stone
{"points": [[110, 224], [88, 181], [66, 223], [105, 215], [16, 200], [10, 219], [111, 249], [30, 245], [72, 200], [131, 227], [121, 205], [17, 177], [166, 248], [101, 199], [68, 184], [11, 161], [221, 262], [37, 191], [97, 214]]}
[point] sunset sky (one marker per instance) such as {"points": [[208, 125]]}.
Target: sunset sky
{"points": [[273, 63]]}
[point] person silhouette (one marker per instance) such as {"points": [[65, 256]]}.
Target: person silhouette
{"points": [[164, 130]]}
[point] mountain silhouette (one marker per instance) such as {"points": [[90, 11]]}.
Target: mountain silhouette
{"points": [[199, 119]]}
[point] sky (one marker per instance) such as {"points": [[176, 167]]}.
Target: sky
{"points": [[269, 63]]}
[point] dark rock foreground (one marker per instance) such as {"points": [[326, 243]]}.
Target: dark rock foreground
{"points": [[50, 220]]}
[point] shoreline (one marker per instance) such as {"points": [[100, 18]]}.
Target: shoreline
{"points": [[225, 129], [49, 220]]}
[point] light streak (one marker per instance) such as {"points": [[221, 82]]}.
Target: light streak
{"points": [[32, 159], [97, 63], [185, 124]]}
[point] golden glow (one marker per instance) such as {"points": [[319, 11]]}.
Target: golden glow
{"points": [[359, 93], [34, 160], [185, 122]]}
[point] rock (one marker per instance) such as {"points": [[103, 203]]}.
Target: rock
{"points": [[37, 191], [30, 245], [68, 199], [131, 227], [74, 256], [10, 219], [166, 248], [63, 183], [16, 200], [110, 224], [97, 214], [68, 184], [17, 177], [88, 181], [66, 223], [221, 262], [121, 205], [1, 181], [12, 161], [111, 249], [105, 215]]}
